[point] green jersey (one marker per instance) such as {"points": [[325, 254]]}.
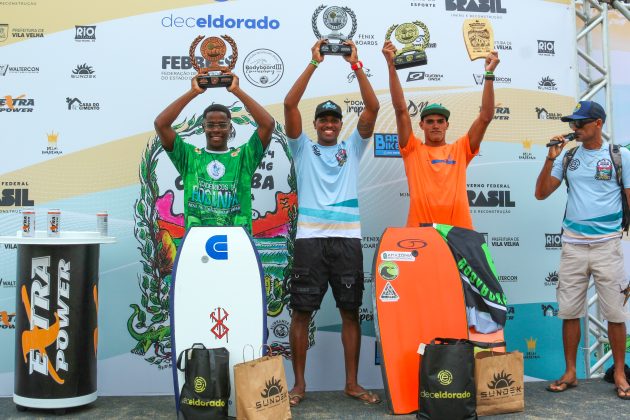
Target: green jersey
{"points": [[217, 185]]}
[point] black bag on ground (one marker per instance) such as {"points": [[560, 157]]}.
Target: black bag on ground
{"points": [[447, 386], [206, 391], [609, 376]]}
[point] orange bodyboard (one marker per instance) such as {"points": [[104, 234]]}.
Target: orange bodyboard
{"points": [[418, 296]]}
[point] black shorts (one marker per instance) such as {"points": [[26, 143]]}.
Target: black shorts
{"points": [[320, 261]]}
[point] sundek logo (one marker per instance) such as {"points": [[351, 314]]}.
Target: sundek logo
{"points": [[217, 247], [219, 21]]}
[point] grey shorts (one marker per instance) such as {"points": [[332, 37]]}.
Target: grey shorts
{"points": [[604, 261], [318, 262]]}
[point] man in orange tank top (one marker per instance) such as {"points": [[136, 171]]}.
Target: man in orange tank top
{"points": [[436, 170]]}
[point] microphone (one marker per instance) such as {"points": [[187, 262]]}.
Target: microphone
{"points": [[567, 137]]}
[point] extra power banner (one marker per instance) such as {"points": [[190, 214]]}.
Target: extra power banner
{"points": [[80, 87]]}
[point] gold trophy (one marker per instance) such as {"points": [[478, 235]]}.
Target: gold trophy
{"points": [[335, 18], [213, 49], [478, 37], [413, 51]]}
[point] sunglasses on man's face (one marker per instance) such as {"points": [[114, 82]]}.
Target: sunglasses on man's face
{"points": [[580, 123]]}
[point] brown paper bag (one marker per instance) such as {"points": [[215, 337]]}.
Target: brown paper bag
{"points": [[499, 382], [261, 390]]}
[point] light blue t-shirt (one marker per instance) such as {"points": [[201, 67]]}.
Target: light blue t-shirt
{"points": [[327, 178], [594, 200]]}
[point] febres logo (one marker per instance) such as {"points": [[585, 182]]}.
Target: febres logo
{"points": [[217, 247], [219, 21]]}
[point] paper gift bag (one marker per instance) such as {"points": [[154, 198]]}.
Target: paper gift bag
{"points": [[261, 390], [499, 382]]}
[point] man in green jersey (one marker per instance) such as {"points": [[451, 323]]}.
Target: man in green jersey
{"points": [[217, 179]]}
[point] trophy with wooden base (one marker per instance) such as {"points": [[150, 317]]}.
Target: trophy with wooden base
{"points": [[213, 50]]}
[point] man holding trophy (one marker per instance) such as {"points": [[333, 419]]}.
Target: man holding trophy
{"points": [[217, 179], [328, 241], [436, 171]]}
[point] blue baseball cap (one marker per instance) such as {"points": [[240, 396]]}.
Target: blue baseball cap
{"points": [[586, 110]]}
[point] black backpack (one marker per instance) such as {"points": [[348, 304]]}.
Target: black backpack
{"points": [[615, 157]]}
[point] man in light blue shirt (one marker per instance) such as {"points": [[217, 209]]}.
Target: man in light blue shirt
{"points": [[328, 240], [591, 236]]}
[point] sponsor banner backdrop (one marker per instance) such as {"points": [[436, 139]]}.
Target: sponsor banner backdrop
{"points": [[80, 91]]}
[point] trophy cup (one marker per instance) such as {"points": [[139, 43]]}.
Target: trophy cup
{"points": [[335, 18], [213, 49], [478, 37], [412, 54]]}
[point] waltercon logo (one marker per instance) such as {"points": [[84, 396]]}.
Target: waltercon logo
{"points": [[217, 247], [219, 22], [479, 79], [546, 48], [386, 145], [83, 71], [6, 283], [477, 6], [6, 69], [84, 33], [553, 241], [16, 104], [263, 68]]}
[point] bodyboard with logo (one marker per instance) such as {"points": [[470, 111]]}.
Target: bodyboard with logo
{"points": [[417, 296], [217, 296]]}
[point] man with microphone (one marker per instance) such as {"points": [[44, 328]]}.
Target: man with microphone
{"points": [[591, 236]]}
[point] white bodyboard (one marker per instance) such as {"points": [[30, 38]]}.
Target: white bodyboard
{"points": [[217, 297]]}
